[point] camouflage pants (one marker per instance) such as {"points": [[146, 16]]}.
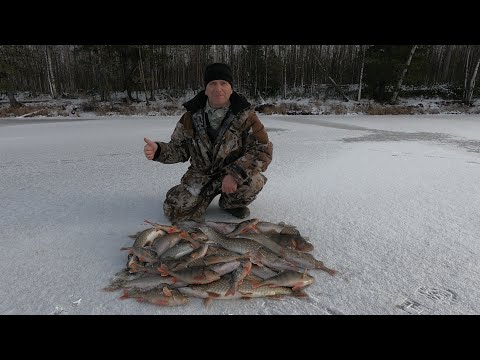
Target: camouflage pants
{"points": [[180, 204]]}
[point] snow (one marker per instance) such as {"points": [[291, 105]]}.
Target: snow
{"points": [[391, 202]]}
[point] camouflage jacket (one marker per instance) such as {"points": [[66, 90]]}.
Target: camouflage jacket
{"points": [[242, 147]]}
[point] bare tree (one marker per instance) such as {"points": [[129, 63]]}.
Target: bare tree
{"points": [[467, 70], [153, 71], [472, 84], [269, 69], [345, 97], [266, 69], [295, 57], [402, 75], [7, 74], [51, 77], [140, 63], [361, 73], [284, 48], [256, 69]]}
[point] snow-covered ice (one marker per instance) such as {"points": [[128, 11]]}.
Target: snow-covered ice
{"points": [[391, 202]]}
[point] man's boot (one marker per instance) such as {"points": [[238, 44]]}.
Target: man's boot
{"points": [[241, 212]]}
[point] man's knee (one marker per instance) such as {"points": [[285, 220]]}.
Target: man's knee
{"points": [[172, 196], [259, 181], [245, 193], [254, 185], [177, 198], [180, 204]]}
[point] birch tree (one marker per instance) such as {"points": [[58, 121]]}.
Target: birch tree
{"points": [[266, 69], [402, 75], [361, 73], [153, 70], [142, 73], [465, 79], [472, 83], [50, 75], [284, 62], [469, 84]]}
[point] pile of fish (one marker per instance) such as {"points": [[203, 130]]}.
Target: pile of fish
{"points": [[169, 264]]}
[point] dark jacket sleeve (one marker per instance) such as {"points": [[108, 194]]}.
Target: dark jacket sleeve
{"points": [[258, 152], [177, 149]]}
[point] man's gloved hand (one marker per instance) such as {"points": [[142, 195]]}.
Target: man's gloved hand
{"points": [[150, 148], [229, 185]]}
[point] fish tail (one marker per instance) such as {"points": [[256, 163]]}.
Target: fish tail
{"points": [[125, 295], [300, 294], [320, 266]]}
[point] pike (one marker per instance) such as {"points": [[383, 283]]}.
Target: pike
{"points": [[305, 260], [273, 261], [263, 240], [142, 282], [217, 290], [238, 245], [158, 296], [265, 227], [219, 251], [247, 290], [215, 259], [288, 278], [295, 257], [217, 255]]}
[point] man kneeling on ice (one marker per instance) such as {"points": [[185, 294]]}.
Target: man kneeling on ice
{"points": [[226, 144]]}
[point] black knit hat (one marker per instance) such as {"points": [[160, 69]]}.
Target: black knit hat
{"points": [[218, 71]]}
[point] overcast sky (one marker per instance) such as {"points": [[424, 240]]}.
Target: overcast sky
{"points": [[391, 202]]}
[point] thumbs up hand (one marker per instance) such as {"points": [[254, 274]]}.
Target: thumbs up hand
{"points": [[150, 148]]}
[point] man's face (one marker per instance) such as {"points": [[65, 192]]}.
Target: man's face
{"points": [[218, 92]]}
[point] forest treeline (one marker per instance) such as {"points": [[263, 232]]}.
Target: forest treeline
{"points": [[378, 72]]}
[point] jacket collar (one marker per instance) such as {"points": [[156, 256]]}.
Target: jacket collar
{"points": [[237, 102]]}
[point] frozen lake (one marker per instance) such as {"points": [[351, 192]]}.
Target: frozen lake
{"points": [[391, 202]]}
